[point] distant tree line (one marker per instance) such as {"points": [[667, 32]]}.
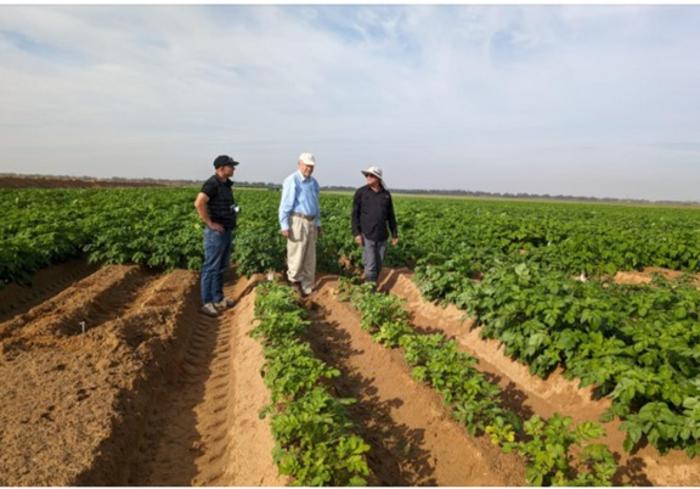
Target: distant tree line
{"points": [[116, 181]]}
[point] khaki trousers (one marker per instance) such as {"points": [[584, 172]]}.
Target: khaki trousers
{"points": [[301, 252]]}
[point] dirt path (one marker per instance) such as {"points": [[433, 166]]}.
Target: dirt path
{"points": [[249, 461], [413, 437], [528, 394], [203, 427]]}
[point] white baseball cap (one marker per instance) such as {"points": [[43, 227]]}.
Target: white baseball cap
{"points": [[307, 159]]}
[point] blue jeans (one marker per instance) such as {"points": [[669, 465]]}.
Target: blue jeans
{"points": [[373, 258], [217, 256]]}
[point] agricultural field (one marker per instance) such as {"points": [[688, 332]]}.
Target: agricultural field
{"points": [[514, 343]]}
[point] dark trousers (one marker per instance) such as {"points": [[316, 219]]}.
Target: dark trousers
{"points": [[217, 256], [373, 258]]}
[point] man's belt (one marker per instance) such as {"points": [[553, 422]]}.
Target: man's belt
{"points": [[303, 216]]}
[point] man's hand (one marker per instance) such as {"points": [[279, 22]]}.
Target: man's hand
{"points": [[215, 226], [394, 241], [285, 233], [318, 230], [360, 240]]}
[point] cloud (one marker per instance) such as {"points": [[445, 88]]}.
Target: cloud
{"points": [[546, 94]]}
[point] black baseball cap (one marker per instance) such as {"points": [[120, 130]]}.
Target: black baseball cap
{"points": [[224, 160]]}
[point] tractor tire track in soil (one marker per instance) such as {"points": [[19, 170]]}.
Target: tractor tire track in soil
{"points": [[528, 394], [146, 395], [203, 426], [413, 438]]}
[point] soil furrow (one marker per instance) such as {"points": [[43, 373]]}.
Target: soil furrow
{"points": [[413, 437], [18, 299], [104, 295], [75, 409], [528, 394]]}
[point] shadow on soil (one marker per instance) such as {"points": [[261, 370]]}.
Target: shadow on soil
{"points": [[396, 457]]}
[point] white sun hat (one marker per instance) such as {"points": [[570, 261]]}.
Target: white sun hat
{"points": [[376, 171], [307, 159]]}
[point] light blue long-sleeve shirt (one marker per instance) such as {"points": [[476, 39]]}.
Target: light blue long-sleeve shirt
{"points": [[299, 195]]}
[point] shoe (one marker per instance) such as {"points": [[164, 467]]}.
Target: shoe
{"points": [[224, 304], [306, 291], [209, 310], [296, 286]]}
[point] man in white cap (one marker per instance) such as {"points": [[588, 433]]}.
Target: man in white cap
{"points": [[372, 211], [300, 223]]}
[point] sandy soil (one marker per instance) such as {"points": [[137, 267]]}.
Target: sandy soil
{"points": [[647, 274], [203, 427], [414, 440], [529, 394], [146, 395], [249, 461], [48, 282]]}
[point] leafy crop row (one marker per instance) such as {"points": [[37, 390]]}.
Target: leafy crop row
{"points": [[556, 452], [315, 440], [639, 345]]}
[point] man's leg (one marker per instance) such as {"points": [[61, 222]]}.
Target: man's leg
{"points": [[309, 263], [369, 258], [224, 261], [210, 266], [379, 257], [295, 250]]}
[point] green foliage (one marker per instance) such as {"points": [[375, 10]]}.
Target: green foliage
{"points": [[315, 443], [552, 459]]}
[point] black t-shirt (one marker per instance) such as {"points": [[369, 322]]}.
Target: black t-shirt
{"points": [[371, 212], [221, 203]]}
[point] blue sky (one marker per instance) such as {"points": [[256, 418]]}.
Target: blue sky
{"points": [[578, 100]]}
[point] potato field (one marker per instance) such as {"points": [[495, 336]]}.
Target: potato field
{"points": [[511, 343]]}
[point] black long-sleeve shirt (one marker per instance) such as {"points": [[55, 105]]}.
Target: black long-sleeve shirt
{"points": [[371, 212]]}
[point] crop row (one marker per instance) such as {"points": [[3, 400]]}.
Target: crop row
{"points": [[315, 440], [638, 345], [556, 452]]}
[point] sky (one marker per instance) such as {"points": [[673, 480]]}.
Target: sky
{"points": [[590, 100]]}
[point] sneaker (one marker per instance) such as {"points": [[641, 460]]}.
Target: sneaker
{"points": [[305, 291], [209, 310], [224, 304]]}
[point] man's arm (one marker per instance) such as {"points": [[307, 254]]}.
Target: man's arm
{"points": [[355, 218], [317, 196], [200, 203], [286, 205], [392, 223]]}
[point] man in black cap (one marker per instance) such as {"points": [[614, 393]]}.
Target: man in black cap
{"points": [[218, 210]]}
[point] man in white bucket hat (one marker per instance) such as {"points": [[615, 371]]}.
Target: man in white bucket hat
{"points": [[300, 223], [372, 212]]}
